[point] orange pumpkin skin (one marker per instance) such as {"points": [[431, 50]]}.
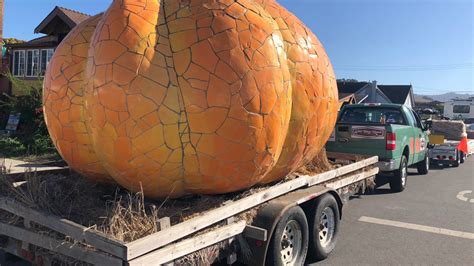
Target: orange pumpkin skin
{"points": [[64, 102], [314, 96], [197, 97]]}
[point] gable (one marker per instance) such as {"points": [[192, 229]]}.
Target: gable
{"points": [[397, 93], [60, 21]]}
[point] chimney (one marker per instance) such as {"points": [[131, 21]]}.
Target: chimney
{"points": [[373, 91]]}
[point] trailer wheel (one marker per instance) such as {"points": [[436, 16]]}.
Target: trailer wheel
{"points": [[289, 242], [423, 167], [324, 227], [399, 180]]}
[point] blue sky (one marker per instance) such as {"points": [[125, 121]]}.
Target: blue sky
{"points": [[427, 43]]}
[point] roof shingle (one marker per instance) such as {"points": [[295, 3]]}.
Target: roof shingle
{"points": [[74, 15], [70, 17]]}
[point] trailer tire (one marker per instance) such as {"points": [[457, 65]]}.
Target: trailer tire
{"points": [[324, 216], [399, 180], [289, 242], [423, 167]]}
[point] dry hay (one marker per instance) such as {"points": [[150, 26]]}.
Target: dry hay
{"points": [[111, 210], [121, 215], [319, 164], [452, 130]]}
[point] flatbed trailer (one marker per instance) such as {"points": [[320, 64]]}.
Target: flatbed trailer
{"points": [[446, 152], [294, 219]]}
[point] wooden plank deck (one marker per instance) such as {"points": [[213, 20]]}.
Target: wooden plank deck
{"points": [[181, 230], [15, 167]]}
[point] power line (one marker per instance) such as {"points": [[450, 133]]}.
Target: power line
{"points": [[436, 65], [459, 66]]}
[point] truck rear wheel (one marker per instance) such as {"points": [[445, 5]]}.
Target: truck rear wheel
{"points": [[423, 167], [324, 227], [399, 180], [289, 243]]}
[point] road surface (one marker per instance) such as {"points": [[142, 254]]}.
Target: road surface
{"points": [[431, 222]]}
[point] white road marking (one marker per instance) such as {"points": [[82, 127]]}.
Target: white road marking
{"points": [[424, 228], [461, 196]]}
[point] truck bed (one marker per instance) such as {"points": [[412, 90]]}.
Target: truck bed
{"points": [[25, 237]]}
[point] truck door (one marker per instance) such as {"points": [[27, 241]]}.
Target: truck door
{"points": [[421, 139], [413, 136]]}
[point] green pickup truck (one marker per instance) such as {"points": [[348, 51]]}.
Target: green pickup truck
{"points": [[393, 132]]}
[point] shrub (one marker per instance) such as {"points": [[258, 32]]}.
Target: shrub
{"points": [[12, 147], [32, 132]]}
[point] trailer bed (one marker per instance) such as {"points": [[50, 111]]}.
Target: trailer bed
{"points": [[171, 242]]}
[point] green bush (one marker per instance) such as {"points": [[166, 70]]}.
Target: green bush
{"points": [[12, 147], [32, 132]]}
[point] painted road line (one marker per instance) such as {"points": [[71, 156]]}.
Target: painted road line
{"points": [[424, 228], [461, 196]]}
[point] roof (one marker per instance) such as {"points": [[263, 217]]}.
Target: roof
{"points": [[375, 105], [350, 87], [70, 17], [38, 42], [396, 93]]}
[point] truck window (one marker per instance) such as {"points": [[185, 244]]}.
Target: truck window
{"points": [[410, 116], [418, 122], [372, 116], [461, 109]]}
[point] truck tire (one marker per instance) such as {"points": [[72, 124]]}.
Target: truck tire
{"points": [[323, 227], [423, 167], [399, 180], [289, 242]]}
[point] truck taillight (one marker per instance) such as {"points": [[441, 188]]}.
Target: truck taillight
{"points": [[391, 141]]}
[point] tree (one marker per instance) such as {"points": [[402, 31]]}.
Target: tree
{"points": [[7, 41], [348, 80]]}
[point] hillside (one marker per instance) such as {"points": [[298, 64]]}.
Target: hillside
{"points": [[442, 97]]}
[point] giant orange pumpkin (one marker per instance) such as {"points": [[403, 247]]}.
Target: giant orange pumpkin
{"points": [[190, 96]]}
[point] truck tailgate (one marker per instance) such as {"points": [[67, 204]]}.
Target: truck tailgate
{"points": [[360, 139]]}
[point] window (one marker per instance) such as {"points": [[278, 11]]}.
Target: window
{"points": [[417, 120], [46, 56], [18, 63], [461, 109], [32, 63], [373, 116]]}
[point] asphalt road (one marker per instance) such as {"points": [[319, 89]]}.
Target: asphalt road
{"points": [[429, 200]]}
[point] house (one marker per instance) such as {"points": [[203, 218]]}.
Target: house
{"points": [[28, 60], [401, 94], [370, 92]]}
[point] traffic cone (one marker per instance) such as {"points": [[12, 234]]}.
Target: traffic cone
{"points": [[463, 145]]}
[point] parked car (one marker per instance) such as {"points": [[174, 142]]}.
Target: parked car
{"points": [[395, 133]]}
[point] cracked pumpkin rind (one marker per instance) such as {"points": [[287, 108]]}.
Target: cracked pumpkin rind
{"points": [[190, 97]]}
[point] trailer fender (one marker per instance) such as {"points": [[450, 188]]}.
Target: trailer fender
{"points": [[270, 213]]}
